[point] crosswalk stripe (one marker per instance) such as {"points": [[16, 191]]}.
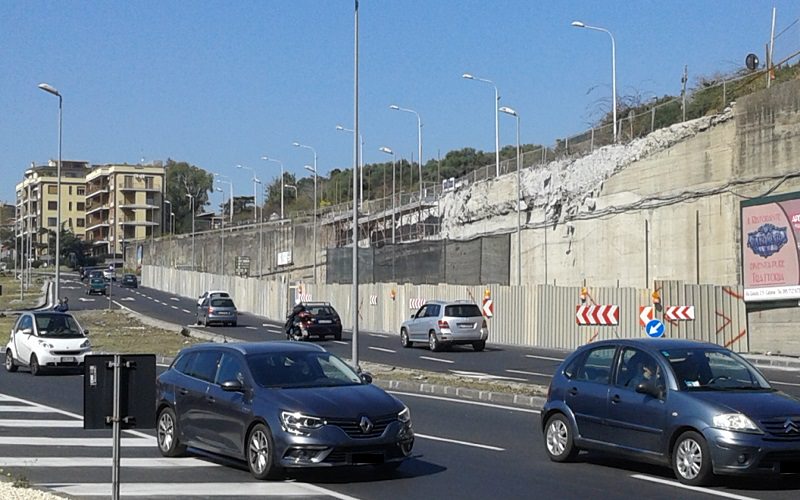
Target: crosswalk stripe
{"points": [[194, 490], [23, 409], [103, 462], [82, 442], [40, 423]]}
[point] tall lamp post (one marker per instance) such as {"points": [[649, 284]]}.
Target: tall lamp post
{"points": [[191, 203], [388, 151], [360, 164], [292, 186], [496, 120], [230, 186], [221, 233], [52, 90], [255, 192], [265, 158], [313, 170], [579, 24], [511, 112], [419, 142]]}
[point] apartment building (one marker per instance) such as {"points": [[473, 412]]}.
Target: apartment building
{"points": [[123, 203], [37, 206]]}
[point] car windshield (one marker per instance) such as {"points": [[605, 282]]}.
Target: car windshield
{"points": [[713, 369], [98, 281], [222, 303], [320, 310], [462, 311], [57, 325], [129, 277], [288, 370]]}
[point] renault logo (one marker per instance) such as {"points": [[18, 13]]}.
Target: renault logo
{"points": [[366, 425], [789, 426]]}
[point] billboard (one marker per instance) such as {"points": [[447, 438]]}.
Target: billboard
{"points": [[770, 249]]}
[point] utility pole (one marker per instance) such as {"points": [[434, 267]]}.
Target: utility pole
{"points": [[684, 78]]}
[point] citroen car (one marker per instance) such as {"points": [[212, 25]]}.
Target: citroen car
{"points": [[277, 406], [46, 339]]}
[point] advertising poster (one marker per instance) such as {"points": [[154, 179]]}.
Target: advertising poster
{"points": [[770, 251]]}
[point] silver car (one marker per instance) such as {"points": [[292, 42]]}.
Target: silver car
{"points": [[220, 310], [441, 323]]}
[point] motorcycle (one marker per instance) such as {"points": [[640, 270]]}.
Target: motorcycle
{"points": [[296, 326]]}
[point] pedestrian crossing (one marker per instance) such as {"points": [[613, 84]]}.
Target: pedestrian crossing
{"points": [[50, 449]]}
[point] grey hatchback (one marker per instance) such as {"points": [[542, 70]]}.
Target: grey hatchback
{"points": [[278, 405], [697, 407], [441, 323], [220, 310]]}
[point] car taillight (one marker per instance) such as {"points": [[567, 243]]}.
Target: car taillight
{"points": [[484, 325], [210, 310], [443, 324]]}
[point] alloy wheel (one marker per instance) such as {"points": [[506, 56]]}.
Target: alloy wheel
{"points": [[689, 458], [259, 452], [557, 435]]}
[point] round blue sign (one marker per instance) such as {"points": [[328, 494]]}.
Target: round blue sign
{"points": [[654, 328]]}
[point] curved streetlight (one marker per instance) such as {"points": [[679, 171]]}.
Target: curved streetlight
{"points": [[292, 186], [512, 112], [360, 163], [388, 151], [419, 141], [191, 202], [266, 158], [579, 24], [230, 185], [298, 145], [469, 76], [255, 191], [52, 90]]}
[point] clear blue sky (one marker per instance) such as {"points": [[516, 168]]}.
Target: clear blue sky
{"points": [[220, 83]]}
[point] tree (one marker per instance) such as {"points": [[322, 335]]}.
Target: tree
{"points": [[183, 179]]}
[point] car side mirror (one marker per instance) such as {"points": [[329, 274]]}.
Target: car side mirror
{"points": [[413, 316], [232, 386], [649, 388], [26, 331], [366, 377], [86, 332]]}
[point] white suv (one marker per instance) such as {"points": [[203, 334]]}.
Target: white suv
{"points": [[441, 323], [45, 339]]}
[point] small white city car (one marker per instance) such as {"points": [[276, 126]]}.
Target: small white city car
{"points": [[46, 339]]}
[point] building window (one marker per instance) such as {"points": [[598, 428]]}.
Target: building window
{"points": [[80, 206], [51, 222], [81, 191], [80, 222], [52, 205], [69, 205], [70, 192], [148, 182], [52, 189]]}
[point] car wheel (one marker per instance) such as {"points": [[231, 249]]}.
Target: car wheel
{"points": [[691, 459], [433, 342], [260, 454], [10, 365], [35, 368], [558, 439], [337, 336], [404, 340], [479, 345], [167, 434]]}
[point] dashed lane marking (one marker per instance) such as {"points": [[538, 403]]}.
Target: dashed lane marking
{"points": [[535, 374], [186, 311], [456, 441], [544, 357], [175, 307], [463, 401], [251, 328], [676, 484], [381, 349], [437, 359]]}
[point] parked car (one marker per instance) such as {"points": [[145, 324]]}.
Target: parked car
{"points": [[220, 310], [212, 293], [696, 407], [278, 405], [48, 339], [97, 286], [323, 320], [109, 275], [129, 281], [441, 323]]}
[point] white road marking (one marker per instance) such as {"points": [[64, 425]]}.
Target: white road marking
{"points": [[176, 299], [128, 299], [187, 312], [196, 490], [464, 401], [23, 409], [483, 376], [85, 300], [379, 335], [102, 462], [340, 342], [437, 359], [543, 357], [40, 423], [83, 442], [784, 383], [381, 349], [676, 484], [521, 372], [456, 441], [175, 307]]}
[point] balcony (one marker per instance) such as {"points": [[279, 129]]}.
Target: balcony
{"points": [[93, 191], [140, 187], [137, 223], [135, 206], [94, 208], [95, 226]]}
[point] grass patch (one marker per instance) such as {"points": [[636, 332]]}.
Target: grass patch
{"points": [[11, 299]]}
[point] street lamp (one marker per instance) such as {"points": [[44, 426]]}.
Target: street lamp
{"points": [[313, 170], [221, 232], [265, 158], [230, 185], [292, 186], [511, 112], [255, 192], [52, 90], [579, 24], [496, 120], [360, 163], [191, 202], [419, 142], [388, 151]]}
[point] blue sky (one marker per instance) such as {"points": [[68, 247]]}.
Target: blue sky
{"points": [[222, 83]]}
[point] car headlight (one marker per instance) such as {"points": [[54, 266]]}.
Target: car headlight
{"points": [[298, 423], [86, 344], [405, 415], [734, 422], [45, 345]]}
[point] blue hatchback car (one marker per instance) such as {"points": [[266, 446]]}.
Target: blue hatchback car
{"points": [[697, 407]]}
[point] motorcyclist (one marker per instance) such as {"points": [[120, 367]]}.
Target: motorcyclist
{"points": [[292, 326], [62, 306]]}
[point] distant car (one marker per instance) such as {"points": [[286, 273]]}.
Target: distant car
{"points": [[212, 293], [97, 286], [215, 309], [96, 273], [49, 339], [278, 405], [323, 321], [129, 281], [442, 323], [694, 406]]}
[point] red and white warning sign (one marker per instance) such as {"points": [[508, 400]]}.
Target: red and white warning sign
{"points": [[488, 308], [646, 314], [597, 315], [685, 313]]}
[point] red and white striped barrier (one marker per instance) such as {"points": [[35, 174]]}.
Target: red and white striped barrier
{"points": [[302, 297], [373, 300], [676, 313], [597, 315], [415, 303]]}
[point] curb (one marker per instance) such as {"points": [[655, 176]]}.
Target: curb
{"points": [[771, 361]]}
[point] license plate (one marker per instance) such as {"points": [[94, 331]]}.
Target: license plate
{"points": [[224, 313], [325, 322], [466, 325], [67, 359]]}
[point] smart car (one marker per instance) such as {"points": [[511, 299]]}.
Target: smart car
{"points": [[48, 339], [278, 405]]}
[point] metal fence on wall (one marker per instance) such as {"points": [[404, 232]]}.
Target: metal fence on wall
{"points": [[527, 315]]}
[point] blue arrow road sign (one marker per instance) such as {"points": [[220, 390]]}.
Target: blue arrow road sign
{"points": [[654, 328]]}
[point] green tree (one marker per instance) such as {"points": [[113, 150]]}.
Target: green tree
{"points": [[183, 179]]}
